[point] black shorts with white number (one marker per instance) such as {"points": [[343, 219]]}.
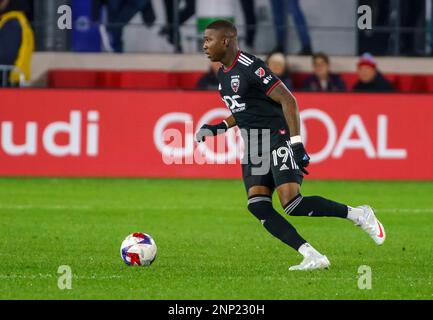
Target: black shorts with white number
{"points": [[272, 169]]}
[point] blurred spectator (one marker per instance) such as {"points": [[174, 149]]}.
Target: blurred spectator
{"points": [[278, 65], [209, 80], [120, 12], [322, 79], [16, 43], [280, 9], [250, 21], [169, 30], [370, 79]]}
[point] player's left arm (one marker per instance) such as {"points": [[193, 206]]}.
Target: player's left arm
{"points": [[266, 81], [283, 96], [209, 130]]}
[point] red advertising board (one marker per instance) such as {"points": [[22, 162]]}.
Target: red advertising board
{"points": [[151, 134]]}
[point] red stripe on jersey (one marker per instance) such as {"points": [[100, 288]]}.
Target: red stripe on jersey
{"points": [[234, 62], [272, 88]]}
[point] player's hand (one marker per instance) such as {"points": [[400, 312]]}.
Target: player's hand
{"points": [[208, 130], [301, 156], [203, 132]]}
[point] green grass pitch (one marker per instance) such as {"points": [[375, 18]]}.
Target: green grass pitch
{"points": [[209, 245]]}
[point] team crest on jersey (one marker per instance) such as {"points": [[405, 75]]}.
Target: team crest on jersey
{"points": [[260, 72], [235, 84]]}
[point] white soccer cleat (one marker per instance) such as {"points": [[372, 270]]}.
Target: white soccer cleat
{"points": [[312, 262], [370, 224]]}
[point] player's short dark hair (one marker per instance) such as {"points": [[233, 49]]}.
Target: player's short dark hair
{"points": [[225, 25], [321, 55]]}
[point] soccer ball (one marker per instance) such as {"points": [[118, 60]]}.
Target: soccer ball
{"points": [[138, 249]]}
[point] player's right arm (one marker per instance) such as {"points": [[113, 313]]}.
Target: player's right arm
{"points": [[208, 130]]}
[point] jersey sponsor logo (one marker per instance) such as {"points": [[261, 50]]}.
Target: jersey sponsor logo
{"points": [[267, 79], [233, 104], [235, 83], [260, 72], [282, 131]]}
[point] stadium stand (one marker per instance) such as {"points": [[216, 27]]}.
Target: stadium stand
{"points": [[130, 79], [167, 71]]}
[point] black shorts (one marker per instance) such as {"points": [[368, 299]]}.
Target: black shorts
{"points": [[272, 169]]}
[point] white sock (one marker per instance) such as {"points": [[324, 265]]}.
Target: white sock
{"points": [[354, 213], [306, 249]]}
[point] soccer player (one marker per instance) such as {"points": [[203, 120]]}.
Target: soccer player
{"points": [[265, 110]]}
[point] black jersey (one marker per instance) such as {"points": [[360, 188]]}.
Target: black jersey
{"points": [[244, 87]]}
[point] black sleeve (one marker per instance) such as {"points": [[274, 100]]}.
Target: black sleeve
{"points": [[261, 77]]}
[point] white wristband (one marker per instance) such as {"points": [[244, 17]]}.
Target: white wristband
{"points": [[295, 139]]}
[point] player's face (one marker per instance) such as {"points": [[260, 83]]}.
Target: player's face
{"points": [[214, 46]]}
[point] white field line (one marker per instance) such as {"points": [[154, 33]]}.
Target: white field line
{"points": [[19, 207]]}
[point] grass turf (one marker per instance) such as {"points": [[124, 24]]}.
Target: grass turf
{"points": [[209, 245]]}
